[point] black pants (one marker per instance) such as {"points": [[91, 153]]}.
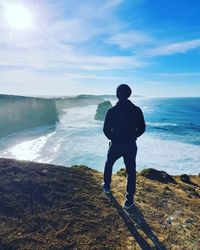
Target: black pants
{"points": [[128, 151]]}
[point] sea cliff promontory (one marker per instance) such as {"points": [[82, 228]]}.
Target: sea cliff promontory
{"points": [[102, 109], [44, 206]]}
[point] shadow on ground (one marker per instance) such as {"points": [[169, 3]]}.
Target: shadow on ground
{"points": [[134, 219]]}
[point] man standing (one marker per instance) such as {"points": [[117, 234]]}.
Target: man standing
{"points": [[124, 123]]}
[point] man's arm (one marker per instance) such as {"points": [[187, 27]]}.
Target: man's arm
{"points": [[141, 124], [107, 129]]}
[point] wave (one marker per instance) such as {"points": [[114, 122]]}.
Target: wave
{"points": [[174, 157], [161, 124], [21, 112], [166, 125]]}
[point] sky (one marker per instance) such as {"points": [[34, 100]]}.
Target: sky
{"points": [[92, 46]]}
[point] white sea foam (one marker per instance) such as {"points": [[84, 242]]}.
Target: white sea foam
{"points": [[171, 156], [27, 150], [161, 124]]}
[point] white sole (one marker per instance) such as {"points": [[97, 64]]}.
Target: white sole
{"points": [[128, 207]]}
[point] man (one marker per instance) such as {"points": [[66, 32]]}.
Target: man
{"points": [[124, 123]]}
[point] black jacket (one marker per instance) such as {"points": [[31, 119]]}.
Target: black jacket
{"points": [[124, 122]]}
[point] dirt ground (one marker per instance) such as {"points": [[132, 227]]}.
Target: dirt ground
{"points": [[45, 206]]}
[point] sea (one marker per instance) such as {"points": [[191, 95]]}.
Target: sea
{"points": [[171, 142]]}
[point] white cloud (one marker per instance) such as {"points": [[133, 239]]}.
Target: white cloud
{"points": [[111, 63], [97, 9], [184, 74], [65, 58], [173, 48], [130, 39], [74, 31]]}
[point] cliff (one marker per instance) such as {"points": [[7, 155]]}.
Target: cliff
{"points": [[44, 206], [102, 109]]}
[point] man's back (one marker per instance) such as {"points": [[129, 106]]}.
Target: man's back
{"points": [[124, 122]]}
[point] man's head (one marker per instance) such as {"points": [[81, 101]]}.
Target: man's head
{"points": [[123, 92]]}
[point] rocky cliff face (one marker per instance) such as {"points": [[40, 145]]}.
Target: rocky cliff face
{"points": [[44, 206], [102, 109]]}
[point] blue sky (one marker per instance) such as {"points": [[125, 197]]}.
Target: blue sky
{"points": [[91, 46]]}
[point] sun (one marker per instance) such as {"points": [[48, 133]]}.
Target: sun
{"points": [[18, 16]]}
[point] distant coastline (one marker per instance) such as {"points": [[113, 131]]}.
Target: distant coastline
{"points": [[22, 112]]}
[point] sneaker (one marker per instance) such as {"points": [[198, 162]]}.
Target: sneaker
{"points": [[105, 189], [128, 204]]}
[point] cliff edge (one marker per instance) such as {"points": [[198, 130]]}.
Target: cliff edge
{"points": [[45, 206]]}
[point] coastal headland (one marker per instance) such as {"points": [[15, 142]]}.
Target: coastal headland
{"points": [[44, 206]]}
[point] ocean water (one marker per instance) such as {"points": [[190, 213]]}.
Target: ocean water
{"points": [[170, 143]]}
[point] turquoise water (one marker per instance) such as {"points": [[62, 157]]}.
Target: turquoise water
{"points": [[171, 142]]}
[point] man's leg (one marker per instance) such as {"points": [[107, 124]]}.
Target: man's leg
{"points": [[130, 163], [112, 155]]}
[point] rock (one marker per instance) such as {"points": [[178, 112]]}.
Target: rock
{"points": [[83, 167], [191, 191], [122, 172], [189, 221], [167, 189], [186, 179], [169, 220], [102, 109], [157, 175]]}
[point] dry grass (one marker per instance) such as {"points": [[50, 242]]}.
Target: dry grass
{"points": [[53, 207]]}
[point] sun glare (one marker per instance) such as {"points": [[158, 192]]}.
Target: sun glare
{"points": [[18, 16]]}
